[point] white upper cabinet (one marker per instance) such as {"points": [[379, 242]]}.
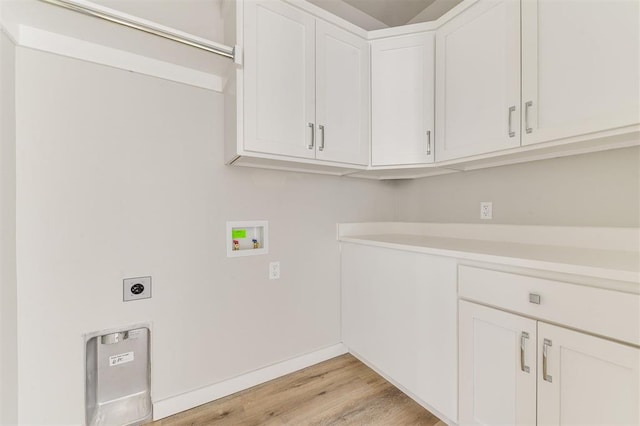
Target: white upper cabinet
{"points": [[342, 90], [306, 86], [279, 79], [580, 67], [402, 100], [502, 81], [478, 80]]}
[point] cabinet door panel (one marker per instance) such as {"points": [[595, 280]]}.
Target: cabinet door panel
{"points": [[279, 79], [402, 100], [399, 314], [592, 380], [494, 389], [342, 95], [478, 80], [581, 62]]}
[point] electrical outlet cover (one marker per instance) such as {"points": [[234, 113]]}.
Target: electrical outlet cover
{"points": [[486, 210], [136, 288], [274, 270]]}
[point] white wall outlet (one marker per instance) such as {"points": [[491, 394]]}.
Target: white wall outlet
{"points": [[136, 288], [274, 270], [486, 210]]}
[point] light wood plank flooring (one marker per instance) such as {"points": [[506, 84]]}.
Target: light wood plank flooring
{"points": [[340, 391]]}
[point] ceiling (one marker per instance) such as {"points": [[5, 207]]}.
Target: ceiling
{"points": [[394, 12], [378, 14], [199, 17]]}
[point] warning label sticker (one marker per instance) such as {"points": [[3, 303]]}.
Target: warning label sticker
{"points": [[120, 359]]}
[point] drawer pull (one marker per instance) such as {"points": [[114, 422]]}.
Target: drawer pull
{"points": [[545, 354], [534, 298], [523, 347]]}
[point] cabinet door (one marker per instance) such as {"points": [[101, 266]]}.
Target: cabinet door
{"points": [[399, 315], [342, 90], [588, 380], [279, 79], [402, 100], [478, 80], [497, 352], [581, 62]]}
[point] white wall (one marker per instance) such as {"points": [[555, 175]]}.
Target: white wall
{"points": [[598, 189], [8, 326], [121, 175], [197, 17]]}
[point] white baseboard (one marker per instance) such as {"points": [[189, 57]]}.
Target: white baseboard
{"points": [[186, 401]]}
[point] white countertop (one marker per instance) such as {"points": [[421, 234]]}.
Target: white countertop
{"points": [[579, 257]]}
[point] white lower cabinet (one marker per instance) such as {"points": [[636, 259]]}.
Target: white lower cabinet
{"points": [[497, 367], [399, 315], [523, 371], [588, 380]]}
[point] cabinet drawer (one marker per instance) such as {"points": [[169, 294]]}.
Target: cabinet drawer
{"points": [[604, 312]]}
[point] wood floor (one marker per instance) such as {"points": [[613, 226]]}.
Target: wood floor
{"points": [[340, 391]]}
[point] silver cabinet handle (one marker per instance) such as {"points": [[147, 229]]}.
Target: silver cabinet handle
{"points": [[428, 142], [321, 146], [512, 109], [534, 298], [523, 347], [527, 105], [313, 136], [545, 348]]}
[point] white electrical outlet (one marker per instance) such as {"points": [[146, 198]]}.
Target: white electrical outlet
{"points": [[274, 270], [486, 210]]}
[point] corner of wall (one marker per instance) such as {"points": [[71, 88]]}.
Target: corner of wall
{"points": [[8, 279], [399, 193]]}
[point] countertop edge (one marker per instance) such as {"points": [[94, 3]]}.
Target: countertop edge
{"points": [[583, 270]]}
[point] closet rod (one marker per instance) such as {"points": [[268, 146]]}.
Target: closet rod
{"points": [[218, 50]]}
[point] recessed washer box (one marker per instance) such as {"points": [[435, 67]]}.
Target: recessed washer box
{"points": [[118, 377], [247, 238]]}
